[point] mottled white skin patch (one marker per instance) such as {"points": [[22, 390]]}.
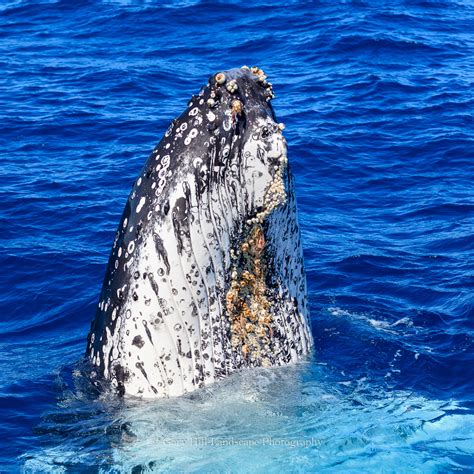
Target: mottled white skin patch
{"points": [[161, 328]]}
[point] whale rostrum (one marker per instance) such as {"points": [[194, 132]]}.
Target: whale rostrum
{"points": [[206, 272]]}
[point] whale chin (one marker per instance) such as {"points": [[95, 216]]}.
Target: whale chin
{"points": [[206, 272]]}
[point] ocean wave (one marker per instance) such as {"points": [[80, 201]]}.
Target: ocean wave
{"points": [[377, 100]]}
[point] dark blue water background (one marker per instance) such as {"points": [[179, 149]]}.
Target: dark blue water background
{"points": [[377, 98]]}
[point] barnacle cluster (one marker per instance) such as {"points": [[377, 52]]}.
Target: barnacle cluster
{"points": [[232, 86], [247, 301], [275, 194], [262, 79]]}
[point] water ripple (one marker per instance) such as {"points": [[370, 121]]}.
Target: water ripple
{"points": [[377, 98]]}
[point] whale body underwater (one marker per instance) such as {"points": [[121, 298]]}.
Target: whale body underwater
{"points": [[206, 273]]}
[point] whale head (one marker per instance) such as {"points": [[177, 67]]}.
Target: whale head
{"points": [[230, 139], [206, 272], [248, 142]]}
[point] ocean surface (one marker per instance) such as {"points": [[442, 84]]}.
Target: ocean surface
{"points": [[378, 101]]}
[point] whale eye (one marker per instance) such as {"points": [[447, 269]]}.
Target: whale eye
{"points": [[265, 132]]}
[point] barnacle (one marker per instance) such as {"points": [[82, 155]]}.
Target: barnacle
{"points": [[236, 108], [220, 78]]}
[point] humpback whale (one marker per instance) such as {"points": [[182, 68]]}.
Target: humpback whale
{"points": [[206, 272]]}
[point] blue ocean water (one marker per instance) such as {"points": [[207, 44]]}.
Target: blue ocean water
{"points": [[377, 98]]}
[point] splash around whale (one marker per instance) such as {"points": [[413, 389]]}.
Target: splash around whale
{"points": [[206, 272]]}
